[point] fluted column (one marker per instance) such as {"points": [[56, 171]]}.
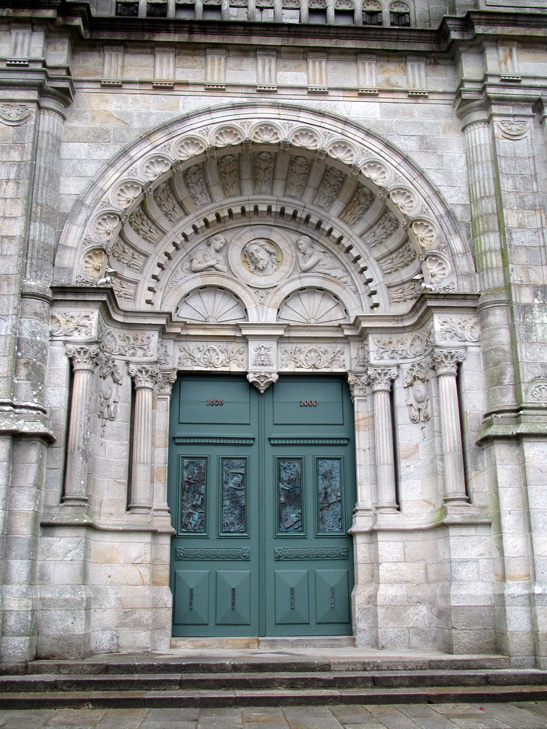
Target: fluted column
{"points": [[381, 379], [161, 442], [144, 378], [446, 363], [359, 384], [490, 256], [83, 359]]}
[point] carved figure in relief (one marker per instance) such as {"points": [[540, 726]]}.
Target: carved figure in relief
{"points": [[208, 256], [311, 258], [261, 257]]}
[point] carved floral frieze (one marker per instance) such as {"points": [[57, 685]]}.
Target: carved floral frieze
{"points": [[458, 329], [72, 324], [314, 357], [127, 344], [401, 347], [15, 114], [212, 356]]}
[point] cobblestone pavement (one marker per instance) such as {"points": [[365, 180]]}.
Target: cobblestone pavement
{"points": [[516, 715]]}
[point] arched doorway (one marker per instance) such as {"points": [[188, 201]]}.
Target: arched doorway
{"points": [[268, 242]]}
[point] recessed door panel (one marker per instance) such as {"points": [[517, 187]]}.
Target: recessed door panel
{"points": [[310, 402], [233, 597], [214, 401], [291, 597], [332, 596], [191, 597]]}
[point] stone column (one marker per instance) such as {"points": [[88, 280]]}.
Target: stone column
{"points": [[446, 363], [84, 359], [359, 383], [363, 598], [161, 442], [489, 254], [144, 378], [381, 378]]}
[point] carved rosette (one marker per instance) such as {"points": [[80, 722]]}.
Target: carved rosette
{"points": [[262, 380], [381, 378], [358, 384], [82, 357], [144, 376], [446, 361]]}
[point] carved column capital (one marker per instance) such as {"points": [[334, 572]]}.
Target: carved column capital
{"points": [[166, 380], [144, 376], [446, 361], [358, 383], [381, 378], [262, 380], [83, 358]]}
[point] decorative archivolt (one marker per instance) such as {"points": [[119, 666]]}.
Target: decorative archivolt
{"points": [[355, 196]]}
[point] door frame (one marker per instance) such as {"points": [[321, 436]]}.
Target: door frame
{"points": [[351, 490]]}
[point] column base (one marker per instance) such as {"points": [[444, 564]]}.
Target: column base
{"points": [[140, 508], [79, 501], [456, 500]]}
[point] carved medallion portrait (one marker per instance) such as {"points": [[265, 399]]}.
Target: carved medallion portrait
{"points": [[261, 257]]}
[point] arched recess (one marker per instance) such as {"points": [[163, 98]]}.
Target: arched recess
{"points": [[335, 209]]}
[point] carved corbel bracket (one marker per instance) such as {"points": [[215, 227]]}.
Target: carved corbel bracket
{"points": [[262, 380]]}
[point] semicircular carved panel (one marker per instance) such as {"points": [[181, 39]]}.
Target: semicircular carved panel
{"points": [[312, 306], [161, 193], [211, 305]]}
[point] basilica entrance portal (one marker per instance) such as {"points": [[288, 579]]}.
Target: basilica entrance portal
{"points": [[261, 492]]}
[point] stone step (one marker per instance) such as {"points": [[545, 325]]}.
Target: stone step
{"points": [[249, 662], [264, 680], [272, 697]]}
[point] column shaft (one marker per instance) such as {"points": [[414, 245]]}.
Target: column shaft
{"points": [[446, 363], [383, 434], [83, 359], [141, 481]]}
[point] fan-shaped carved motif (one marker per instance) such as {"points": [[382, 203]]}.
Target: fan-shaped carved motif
{"points": [[212, 305], [312, 306]]}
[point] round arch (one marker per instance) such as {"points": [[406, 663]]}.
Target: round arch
{"points": [[346, 211]]}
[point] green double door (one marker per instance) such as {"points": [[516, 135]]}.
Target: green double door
{"points": [[261, 490]]}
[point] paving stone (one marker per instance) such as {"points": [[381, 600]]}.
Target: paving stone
{"points": [[479, 722], [515, 716], [173, 715], [76, 718]]}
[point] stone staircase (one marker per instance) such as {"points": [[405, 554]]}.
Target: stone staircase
{"points": [[275, 677]]}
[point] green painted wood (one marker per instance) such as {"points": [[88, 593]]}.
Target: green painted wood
{"points": [[261, 491]]}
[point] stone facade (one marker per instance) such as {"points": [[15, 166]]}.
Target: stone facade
{"points": [[269, 188]]}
